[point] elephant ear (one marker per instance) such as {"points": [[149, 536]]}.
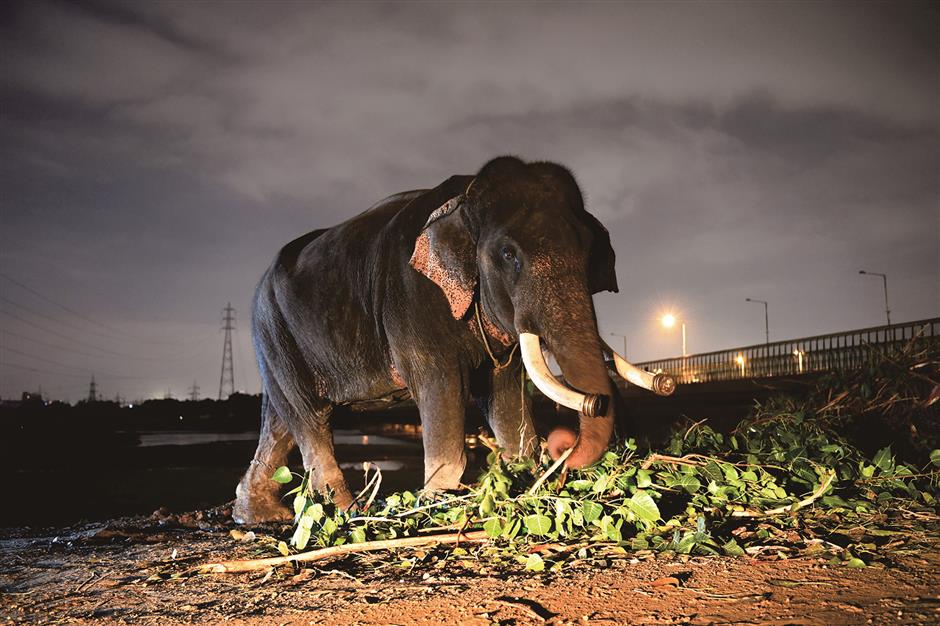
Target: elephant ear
{"points": [[602, 273], [445, 253]]}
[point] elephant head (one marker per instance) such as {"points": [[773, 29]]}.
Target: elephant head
{"points": [[520, 237]]}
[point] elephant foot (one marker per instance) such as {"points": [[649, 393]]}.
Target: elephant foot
{"points": [[258, 508]]}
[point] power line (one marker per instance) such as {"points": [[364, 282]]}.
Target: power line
{"points": [[55, 346], [76, 341], [29, 368], [176, 355], [60, 364], [58, 304], [116, 334]]}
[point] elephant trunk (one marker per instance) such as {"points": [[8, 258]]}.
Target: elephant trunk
{"points": [[569, 330]]}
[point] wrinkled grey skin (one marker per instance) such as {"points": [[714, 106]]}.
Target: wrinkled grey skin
{"points": [[386, 301]]}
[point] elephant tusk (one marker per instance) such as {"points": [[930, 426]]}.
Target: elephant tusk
{"points": [[660, 384], [590, 404]]}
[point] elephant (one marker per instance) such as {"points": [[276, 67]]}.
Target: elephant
{"points": [[425, 292]]}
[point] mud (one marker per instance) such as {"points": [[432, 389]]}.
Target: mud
{"points": [[135, 570]]}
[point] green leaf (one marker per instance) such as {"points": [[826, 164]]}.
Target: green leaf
{"points": [[282, 475], [534, 563], [314, 512], [493, 528], [935, 457], [644, 507], [358, 535], [538, 524], [688, 482], [601, 484], [300, 500], [591, 510], [487, 506], [733, 549], [643, 479], [512, 528], [883, 459], [580, 485], [301, 537], [855, 562], [613, 533]]}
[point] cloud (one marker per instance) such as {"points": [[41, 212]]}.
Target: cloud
{"points": [[164, 151]]}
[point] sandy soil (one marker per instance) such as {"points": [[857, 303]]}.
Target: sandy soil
{"points": [[122, 572]]}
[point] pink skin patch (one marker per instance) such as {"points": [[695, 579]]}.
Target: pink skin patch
{"points": [[493, 330], [426, 260], [445, 209]]}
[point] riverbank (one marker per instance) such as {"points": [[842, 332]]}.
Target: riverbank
{"points": [[133, 570]]}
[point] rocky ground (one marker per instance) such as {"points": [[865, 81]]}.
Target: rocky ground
{"points": [[138, 570]]}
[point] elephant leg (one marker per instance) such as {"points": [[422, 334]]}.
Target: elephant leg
{"points": [[508, 412], [316, 447], [257, 496], [443, 411]]}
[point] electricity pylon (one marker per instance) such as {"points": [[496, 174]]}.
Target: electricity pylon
{"points": [[227, 378]]}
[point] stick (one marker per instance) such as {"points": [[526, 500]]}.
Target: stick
{"points": [[254, 565], [662, 458], [551, 470], [790, 507]]}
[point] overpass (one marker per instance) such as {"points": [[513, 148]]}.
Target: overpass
{"points": [[794, 357], [723, 386]]}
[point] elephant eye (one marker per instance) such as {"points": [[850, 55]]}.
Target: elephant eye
{"points": [[508, 253]]}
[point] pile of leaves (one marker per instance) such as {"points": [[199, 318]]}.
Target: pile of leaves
{"points": [[785, 481], [780, 483], [894, 397]]}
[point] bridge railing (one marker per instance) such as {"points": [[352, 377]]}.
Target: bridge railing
{"points": [[823, 353]]}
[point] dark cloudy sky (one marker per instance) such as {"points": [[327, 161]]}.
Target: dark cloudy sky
{"points": [[154, 156]]}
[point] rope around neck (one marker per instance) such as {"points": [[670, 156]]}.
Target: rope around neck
{"points": [[497, 366]]}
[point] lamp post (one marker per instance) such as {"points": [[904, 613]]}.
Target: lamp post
{"points": [[766, 318], [669, 320], [884, 279], [624, 337]]}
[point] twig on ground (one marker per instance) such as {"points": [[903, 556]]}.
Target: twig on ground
{"points": [[376, 478], [823, 486], [551, 470], [665, 458], [253, 565], [434, 504]]}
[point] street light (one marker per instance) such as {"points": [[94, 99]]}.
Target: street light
{"points": [[669, 320], [884, 278], [624, 337], [766, 319], [740, 361]]}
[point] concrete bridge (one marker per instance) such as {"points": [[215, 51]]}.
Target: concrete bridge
{"points": [[795, 357], [724, 385]]}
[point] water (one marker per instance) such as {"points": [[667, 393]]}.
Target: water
{"points": [[340, 438], [181, 471]]}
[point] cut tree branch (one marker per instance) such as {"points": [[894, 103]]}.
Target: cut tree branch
{"points": [[254, 565]]}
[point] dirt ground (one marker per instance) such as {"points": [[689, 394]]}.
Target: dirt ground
{"points": [[123, 572]]}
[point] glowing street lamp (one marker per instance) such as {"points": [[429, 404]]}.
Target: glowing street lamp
{"points": [[668, 321], [799, 356], [740, 361]]}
